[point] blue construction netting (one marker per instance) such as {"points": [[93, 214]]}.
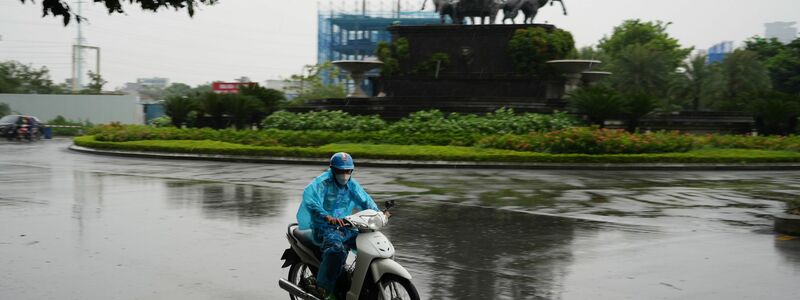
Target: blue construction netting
{"points": [[353, 33]]}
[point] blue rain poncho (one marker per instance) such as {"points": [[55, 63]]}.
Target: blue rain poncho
{"points": [[323, 197]]}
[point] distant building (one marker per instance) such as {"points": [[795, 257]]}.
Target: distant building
{"points": [[288, 87], [146, 88], [718, 52], [783, 31]]}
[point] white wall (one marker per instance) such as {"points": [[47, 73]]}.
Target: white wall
{"points": [[98, 109]]}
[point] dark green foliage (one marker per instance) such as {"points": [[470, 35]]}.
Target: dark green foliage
{"points": [[438, 63], [635, 106], [322, 120], [642, 69], [651, 35], [68, 131], [598, 103], [531, 48], [177, 89], [242, 110], [775, 113], [4, 109], [271, 99], [211, 110], [96, 83], [392, 55], [178, 108], [18, 78], [696, 84], [782, 62], [740, 75]]}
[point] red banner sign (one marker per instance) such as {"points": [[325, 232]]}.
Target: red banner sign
{"points": [[229, 87]]}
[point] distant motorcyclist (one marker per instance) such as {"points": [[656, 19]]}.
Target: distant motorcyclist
{"points": [[329, 198]]}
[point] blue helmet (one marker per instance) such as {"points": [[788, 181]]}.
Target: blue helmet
{"points": [[342, 161]]}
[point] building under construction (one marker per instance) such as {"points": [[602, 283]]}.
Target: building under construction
{"points": [[352, 29]]}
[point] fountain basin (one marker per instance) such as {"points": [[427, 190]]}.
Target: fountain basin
{"points": [[573, 66], [357, 68]]}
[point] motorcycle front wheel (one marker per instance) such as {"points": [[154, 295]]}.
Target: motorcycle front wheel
{"points": [[393, 287], [300, 275]]}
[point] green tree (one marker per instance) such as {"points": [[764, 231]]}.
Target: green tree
{"points": [[635, 106], [176, 89], [652, 35], [782, 62], [4, 109], [211, 110], [61, 8], [598, 103], [271, 99], [178, 108], [639, 69], [243, 110], [96, 83], [739, 76], [313, 86], [775, 112], [531, 48], [19, 78]]}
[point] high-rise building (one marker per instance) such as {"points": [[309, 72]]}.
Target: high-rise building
{"points": [[718, 52], [783, 31]]}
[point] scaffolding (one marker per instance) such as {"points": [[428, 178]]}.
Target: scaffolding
{"points": [[352, 29]]}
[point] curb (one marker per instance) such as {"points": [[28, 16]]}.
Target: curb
{"points": [[446, 164], [787, 224]]}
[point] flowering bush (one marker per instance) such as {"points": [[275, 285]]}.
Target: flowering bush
{"points": [[791, 143], [322, 120], [591, 140]]}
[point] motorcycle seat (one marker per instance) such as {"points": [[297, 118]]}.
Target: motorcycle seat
{"points": [[306, 238]]}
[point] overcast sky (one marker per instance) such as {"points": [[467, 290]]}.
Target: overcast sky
{"points": [[272, 39]]}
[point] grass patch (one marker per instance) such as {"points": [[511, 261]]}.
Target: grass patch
{"points": [[442, 153]]}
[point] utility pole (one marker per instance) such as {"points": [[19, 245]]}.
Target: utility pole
{"points": [[77, 54]]}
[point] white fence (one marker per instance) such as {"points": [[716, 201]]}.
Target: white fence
{"points": [[98, 109]]}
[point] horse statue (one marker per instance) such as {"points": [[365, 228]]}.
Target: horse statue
{"points": [[529, 8], [459, 10]]}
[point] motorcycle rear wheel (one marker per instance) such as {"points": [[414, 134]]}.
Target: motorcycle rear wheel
{"points": [[393, 287], [300, 274]]}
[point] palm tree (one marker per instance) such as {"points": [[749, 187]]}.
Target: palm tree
{"points": [[179, 108], [212, 109], [241, 109], [694, 83], [597, 103]]}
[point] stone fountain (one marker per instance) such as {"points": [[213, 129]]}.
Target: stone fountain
{"points": [[573, 70], [357, 68]]}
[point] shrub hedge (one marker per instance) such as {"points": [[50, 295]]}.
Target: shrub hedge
{"points": [[442, 153]]}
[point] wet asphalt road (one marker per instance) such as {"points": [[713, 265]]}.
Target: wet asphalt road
{"points": [[78, 226]]}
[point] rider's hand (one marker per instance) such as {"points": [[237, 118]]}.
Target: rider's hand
{"points": [[334, 221]]}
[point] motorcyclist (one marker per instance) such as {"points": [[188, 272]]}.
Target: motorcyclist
{"points": [[329, 198], [24, 128]]}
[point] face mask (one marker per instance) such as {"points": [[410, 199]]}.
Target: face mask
{"points": [[342, 179]]}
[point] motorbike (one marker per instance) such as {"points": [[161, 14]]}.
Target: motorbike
{"points": [[372, 274]]}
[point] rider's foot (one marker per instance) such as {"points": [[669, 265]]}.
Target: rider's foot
{"points": [[329, 296]]}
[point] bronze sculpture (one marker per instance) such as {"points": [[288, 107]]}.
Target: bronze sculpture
{"points": [[459, 10]]}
